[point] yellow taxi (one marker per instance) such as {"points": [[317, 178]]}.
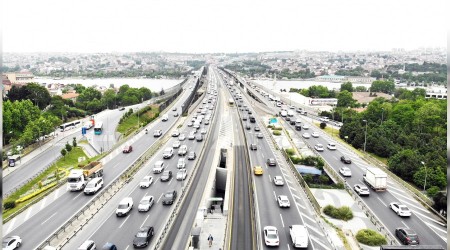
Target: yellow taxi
{"points": [[258, 170]]}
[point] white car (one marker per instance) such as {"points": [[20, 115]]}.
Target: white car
{"points": [[157, 133], [176, 144], [319, 147], [345, 171], [361, 189], [315, 134], [278, 180], [203, 131], [331, 146], [11, 242], [181, 163], [271, 236], [146, 203], [181, 175], [191, 136], [283, 201], [190, 124], [159, 167], [182, 137], [259, 135], [399, 209], [305, 126], [146, 181], [175, 133], [306, 135]]}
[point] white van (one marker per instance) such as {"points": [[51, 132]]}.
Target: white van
{"points": [[93, 185], [165, 117], [299, 236], [168, 153], [283, 113], [125, 206]]}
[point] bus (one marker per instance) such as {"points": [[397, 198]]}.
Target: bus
{"points": [[98, 128], [67, 126]]}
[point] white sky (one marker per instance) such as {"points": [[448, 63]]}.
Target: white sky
{"points": [[221, 26]]}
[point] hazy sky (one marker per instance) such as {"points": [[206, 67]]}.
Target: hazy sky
{"points": [[221, 26]]}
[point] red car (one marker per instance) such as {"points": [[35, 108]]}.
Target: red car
{"points": [[127, 149]]}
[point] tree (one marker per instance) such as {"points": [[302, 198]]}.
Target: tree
{"points": [[162, 92], [68, 147], [405, 163], [109, 98], [435, 177], [87, 96], [74, 142], [387, 87], [345, 99], [323, 125], [360, 89], [64, 152], [146, 94], [347, 86]]}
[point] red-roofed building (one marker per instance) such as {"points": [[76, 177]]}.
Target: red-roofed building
{"points": [[70, 95]]}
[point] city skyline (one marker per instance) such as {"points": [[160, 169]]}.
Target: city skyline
{"points": [[221, 27]]}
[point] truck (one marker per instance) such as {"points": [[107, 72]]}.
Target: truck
{"points": [[375, 178], [299, 236], [79, 177]]}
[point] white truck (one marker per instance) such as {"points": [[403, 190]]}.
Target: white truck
{"points": [[375, 178], [299, 236], [79, 177]]}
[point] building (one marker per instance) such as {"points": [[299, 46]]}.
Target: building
{"points": [[436, 93], [366, 97], [21, 77], [352, 79], [72, 95]]}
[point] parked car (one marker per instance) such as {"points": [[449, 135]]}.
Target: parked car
{"points": [[407, 236], [346, 159], [143, 237], [146, 181], [146, 203]]}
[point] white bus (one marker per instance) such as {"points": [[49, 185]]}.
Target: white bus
{"points": [[67, 126], [98, 129]]}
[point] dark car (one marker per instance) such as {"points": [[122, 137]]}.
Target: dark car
{"points": [[292, 122], [166, 176], [253, 146], [143, 236], [127, 149], [247, 126], [191, 155], [252, 119], [109, 246], [407, 236], [169, 197], [271, 162], [121, 108], [346, 159]]}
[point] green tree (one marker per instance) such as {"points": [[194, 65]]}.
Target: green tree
{"points": [[405, 163], [435, 177], [109, 98], [387, 87], [68, 147], [74, 142], [146, 94], [347, 86], [345, 99], [360, 89], [64, 152]]}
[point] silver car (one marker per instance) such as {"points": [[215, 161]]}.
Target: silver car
{"points": [[146, 203]]}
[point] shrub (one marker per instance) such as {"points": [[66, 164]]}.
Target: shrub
{"points": [[9, 204], [370, 237], [276, 132], [290, 151], [323, 125], [295, 159], [342, 213], [278, 128], [432, 191]]}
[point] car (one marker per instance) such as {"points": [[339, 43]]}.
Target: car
{"points": [[88, 245], [306, 135], [361, 190], [203, 131], [257, 129], [283, 201], [143, 237], [174, 109], [121, 108], [253, 146], [345, 171], [315, 134], [108, 246], [165, 117], [258, 170], [399, 209], [158, 167], [346, 159], [206, 121], [93, 185], [259, 135], [146, 181], [146, 203], [247, 126], [166, 175], [278, 180], [271, 236], [181, 175], [199, 137], [305, 126], [244, 118], [124, 207], [292, 121], [182, 137], [191, 155], [169, 197], [175, 114], [11, 242], [271, 162], [318, 147], [191, 136], [190, 124], [175, 133], [181, 163], [157, 133], [176, 144], [407, 236], [331, 146], [127, 149]]}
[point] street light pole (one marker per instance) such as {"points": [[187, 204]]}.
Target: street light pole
{"points": [[425, 183], [365, 136]]}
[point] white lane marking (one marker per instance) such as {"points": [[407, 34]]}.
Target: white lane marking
{"points": [[159, 198], [437, 228], [320, 243], [127, 247], [311, 219], [77, 196], [115, 165], [144, 221], [170, 181], [11, 225], [295, 196], [275, 195], [270, 178], [56, 194], [43, 202], [403, 196], [282, 222], [289, 248], [128, 216], [314, 229], [287, 180], [428, 218], [28, 214], [382, 201], [396, 189], [48, 219], [300, 205], [404, 223]]}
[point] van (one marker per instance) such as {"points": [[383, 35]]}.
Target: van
{"points": [[165, 117], [93, 185], [159, 167], [124, 207], [168, 152], [88, 245]]}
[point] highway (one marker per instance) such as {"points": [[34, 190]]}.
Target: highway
{"points": [[426, 224], [40, 226]]}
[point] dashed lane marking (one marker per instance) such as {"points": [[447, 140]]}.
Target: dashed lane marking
{"points": [[44, 222], [320, 243], [28, 214], [11, 225]]}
